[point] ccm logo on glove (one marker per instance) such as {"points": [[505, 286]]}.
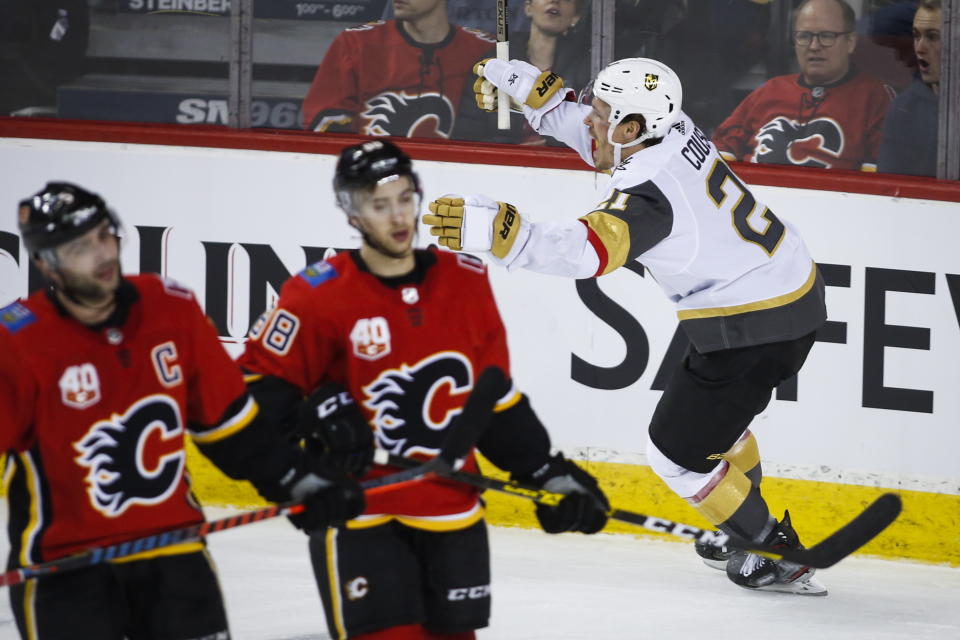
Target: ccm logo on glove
{"points": [[329, 406]]}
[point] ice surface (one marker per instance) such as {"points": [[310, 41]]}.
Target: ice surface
{"points": [[599, 587]]}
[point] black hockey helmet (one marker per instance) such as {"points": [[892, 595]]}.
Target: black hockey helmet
{"points": [[59, 213], [363, 166]]}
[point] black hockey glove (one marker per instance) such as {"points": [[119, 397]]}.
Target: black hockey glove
{"points": [[337, 435], [327, 502], [584, 508]]}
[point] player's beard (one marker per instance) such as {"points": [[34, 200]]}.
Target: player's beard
{"points": [[88, 290]]}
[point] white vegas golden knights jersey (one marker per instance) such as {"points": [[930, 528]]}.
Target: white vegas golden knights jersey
{"points": [[738, 274]]}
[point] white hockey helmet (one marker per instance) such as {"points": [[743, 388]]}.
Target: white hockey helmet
{"points": [[640, 86]]}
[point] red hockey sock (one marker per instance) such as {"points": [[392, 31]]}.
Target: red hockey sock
{"points": [[414, 632], [402, 632]]}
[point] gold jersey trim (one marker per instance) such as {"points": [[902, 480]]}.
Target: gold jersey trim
{"points": [[511, 400], [453, 522], [614, 234], [760, 305]]}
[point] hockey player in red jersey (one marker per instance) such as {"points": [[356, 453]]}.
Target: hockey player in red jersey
{"points": [[402, 77], [829, 115], [388, 341], [102, 376], [747, 293]]}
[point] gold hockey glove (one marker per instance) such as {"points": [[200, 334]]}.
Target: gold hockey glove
{"points": [[486, 93], [522, 81], [477, 223]]}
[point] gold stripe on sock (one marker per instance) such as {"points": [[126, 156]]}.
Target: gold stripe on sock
{"points": [[719, 500]]}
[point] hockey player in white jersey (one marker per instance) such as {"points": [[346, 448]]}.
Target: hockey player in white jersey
{"points": [[747, 292]]}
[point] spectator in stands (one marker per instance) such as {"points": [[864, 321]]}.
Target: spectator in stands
{"points": [[478, 14], [710, 44], [885, 45], [400, 77], [909, 141], [556, 42], [829, 115]]}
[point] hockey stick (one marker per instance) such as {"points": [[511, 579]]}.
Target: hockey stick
{"points": [[837, 546], [503, 53], [96, 555], [467, 429]]}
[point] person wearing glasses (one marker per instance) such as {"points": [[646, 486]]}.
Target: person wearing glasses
{"points": [[909, 141], [829, 115]]}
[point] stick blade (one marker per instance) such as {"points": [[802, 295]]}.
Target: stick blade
{"points": [[850, 537]]}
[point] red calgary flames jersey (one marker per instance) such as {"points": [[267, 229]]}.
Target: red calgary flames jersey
{"points": [[94, 420], [376, 80], [408, 354], [785, 121]]}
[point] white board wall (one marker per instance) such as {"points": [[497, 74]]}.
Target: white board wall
{"points": [[865, 411]]}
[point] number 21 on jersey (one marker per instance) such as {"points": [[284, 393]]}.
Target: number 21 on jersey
{"points": [[768, 239]]}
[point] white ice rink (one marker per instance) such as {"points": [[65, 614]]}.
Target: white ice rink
{"points": [[600, 587]]}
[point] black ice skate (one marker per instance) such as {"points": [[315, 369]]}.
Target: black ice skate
{"points": [[713, 556], [757, 572]]}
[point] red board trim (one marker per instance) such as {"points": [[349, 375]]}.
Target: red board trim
{"points": [[452, 151]]}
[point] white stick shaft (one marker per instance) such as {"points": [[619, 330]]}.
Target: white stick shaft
{"points": [[503, 100]]}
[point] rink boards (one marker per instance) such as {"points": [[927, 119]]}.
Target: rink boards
{"points": [[875, 407]]}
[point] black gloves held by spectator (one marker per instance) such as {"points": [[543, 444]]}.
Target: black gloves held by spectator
{"points": [[585, 506]]}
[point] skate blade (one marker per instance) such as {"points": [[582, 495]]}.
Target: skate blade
{"points": [[809, 587], [720, 565]]}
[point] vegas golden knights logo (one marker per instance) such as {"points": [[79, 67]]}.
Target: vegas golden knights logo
{"points": [[650, 81]]}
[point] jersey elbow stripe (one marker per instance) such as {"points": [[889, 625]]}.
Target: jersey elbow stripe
{"points": [[598, 248], [610, 238], [770, 303], [509, 400], [252, 377], [240, 420]]}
